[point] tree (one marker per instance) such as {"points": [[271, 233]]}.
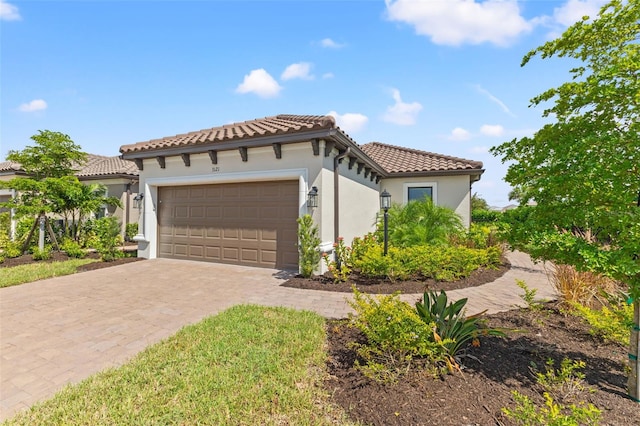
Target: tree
{"points": [[478, 203], [582, 169]]}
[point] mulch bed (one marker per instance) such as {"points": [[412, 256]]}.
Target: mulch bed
{"points": [[378, 286], [58, 256]]}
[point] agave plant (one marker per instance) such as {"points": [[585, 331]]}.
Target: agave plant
{"points": [[450, 323]]}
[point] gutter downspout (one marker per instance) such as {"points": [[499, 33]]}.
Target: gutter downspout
{"points": [[336, 198]]}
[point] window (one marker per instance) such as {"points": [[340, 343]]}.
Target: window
{"points": [[419, 193], [419, 190]]}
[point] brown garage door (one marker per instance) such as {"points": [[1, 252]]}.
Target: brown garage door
{"points": [[251, 223]]}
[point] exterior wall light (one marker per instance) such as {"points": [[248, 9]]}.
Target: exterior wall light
{"points": [[312, 197], [385, 204], [137, 201]]}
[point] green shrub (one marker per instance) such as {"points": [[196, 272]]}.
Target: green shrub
{"points": [[131, 231], [395, 336], [43, 254], [73, 249], [5, 228], [564, 383], [12, 249], [481, 236], [612, 323], [340, 267], [527, 413], [308, 242], [451, 325], [485, 216], [108, 239]]}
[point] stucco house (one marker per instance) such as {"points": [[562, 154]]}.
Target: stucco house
{"points": [[119, 176], [232, 193]]}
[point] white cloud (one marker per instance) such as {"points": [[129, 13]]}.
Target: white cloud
{"points": [[479, 150], [492, 98], [456, 22], [9, 12], [492, 130], [327, 75], [261, 83], [327, 42], [401, 113], [34, 105], [300, 70], [350, 122], [573, 11], [459, 134]]}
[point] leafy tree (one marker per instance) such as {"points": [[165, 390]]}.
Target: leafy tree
{"points": [[582, 169], [422, 222], [54, 155], [478, 203]]}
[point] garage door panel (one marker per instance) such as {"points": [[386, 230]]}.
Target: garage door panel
{"points": [[245, 223]]}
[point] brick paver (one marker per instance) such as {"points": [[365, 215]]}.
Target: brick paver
{"points": [[61, 330]]}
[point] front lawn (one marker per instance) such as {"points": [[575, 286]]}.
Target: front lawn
{"points": [[248, 365], [38, 271]]}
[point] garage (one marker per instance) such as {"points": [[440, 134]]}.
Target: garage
{"points": [[249, 223]]}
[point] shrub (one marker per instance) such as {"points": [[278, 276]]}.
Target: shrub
{"points": [[451, 325], [308, 242], [612, 322], [131, 231], [107, 231], [43, 254], [395, 336], [485, 216], [564, 383], [5, 228], [73, 249], [527, 413], [340, 268], [12, 249], [481, 236]]}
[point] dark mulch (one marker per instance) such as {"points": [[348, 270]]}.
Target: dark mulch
{"points": [[490, 373], [377, 286], [58, 256]]}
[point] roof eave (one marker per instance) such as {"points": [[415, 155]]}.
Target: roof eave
{"points": [[347, 142], [459, 172]]}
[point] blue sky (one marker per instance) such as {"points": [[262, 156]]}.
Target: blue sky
{"points": [[436, 75]]}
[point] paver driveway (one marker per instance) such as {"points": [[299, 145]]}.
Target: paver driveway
{"points": [[62, 330]]}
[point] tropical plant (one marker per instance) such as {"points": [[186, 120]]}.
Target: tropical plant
{"points": [[582, 168], [450, 323], [422, 222], [107, 231], [308, 242]]}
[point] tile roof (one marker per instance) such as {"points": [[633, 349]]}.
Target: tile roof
{"points": [[96, 166], [261, 127], [396, 159]]}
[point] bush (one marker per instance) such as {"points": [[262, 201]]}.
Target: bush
{"points": [[612, 323], [73, 249], [108, 239], [340, 268], [485, 216], [578, 286], [43, 254], [308, 242], [395, 336], [131, 231], [12, 249]]}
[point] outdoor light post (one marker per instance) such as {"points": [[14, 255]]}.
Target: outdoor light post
{"points": [[385, 203]]}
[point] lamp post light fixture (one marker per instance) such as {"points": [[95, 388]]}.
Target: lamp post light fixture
{"points": [[137, 201], [385, 203], [312, 197]]}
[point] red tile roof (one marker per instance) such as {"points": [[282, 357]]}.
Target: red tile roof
{"points": [[95, 167], [396, 159], [268, 126], [9, 166]]}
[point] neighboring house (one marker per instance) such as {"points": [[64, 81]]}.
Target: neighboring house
{"points": [[232, 193], [119, 176]]}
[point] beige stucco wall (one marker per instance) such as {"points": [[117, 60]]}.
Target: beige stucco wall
{"points": [[449, 191], [121, 189]]}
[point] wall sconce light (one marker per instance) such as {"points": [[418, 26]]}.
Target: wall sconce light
{"points": [[312, 197], [137, 200]]}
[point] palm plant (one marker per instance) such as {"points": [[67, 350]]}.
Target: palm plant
{"points": [[422, 222]]}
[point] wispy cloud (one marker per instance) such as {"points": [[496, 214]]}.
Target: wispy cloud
{"points": [[9, 12], [260, 83], [492, 98], [330, 44], [573, 11], [350, 122], [459, 134], [34, 105], [402, 113], [327, 75], [301, 70], [457, 22]]}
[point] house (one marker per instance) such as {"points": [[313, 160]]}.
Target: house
{"points": [[232, 193], [119, 176]]}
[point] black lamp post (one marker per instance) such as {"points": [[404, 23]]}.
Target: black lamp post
{"points": [[312, 197], [385, 203]]}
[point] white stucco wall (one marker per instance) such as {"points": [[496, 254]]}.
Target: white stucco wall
{"points": [[449, 191], [359, 203]]}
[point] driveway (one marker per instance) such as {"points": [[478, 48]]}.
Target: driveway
{"points": [[62, 330]]}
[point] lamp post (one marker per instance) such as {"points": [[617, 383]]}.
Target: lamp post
{"points": [[385, 203]]}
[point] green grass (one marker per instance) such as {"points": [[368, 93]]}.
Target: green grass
{"points": [[249, 365], [38, 271]]}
